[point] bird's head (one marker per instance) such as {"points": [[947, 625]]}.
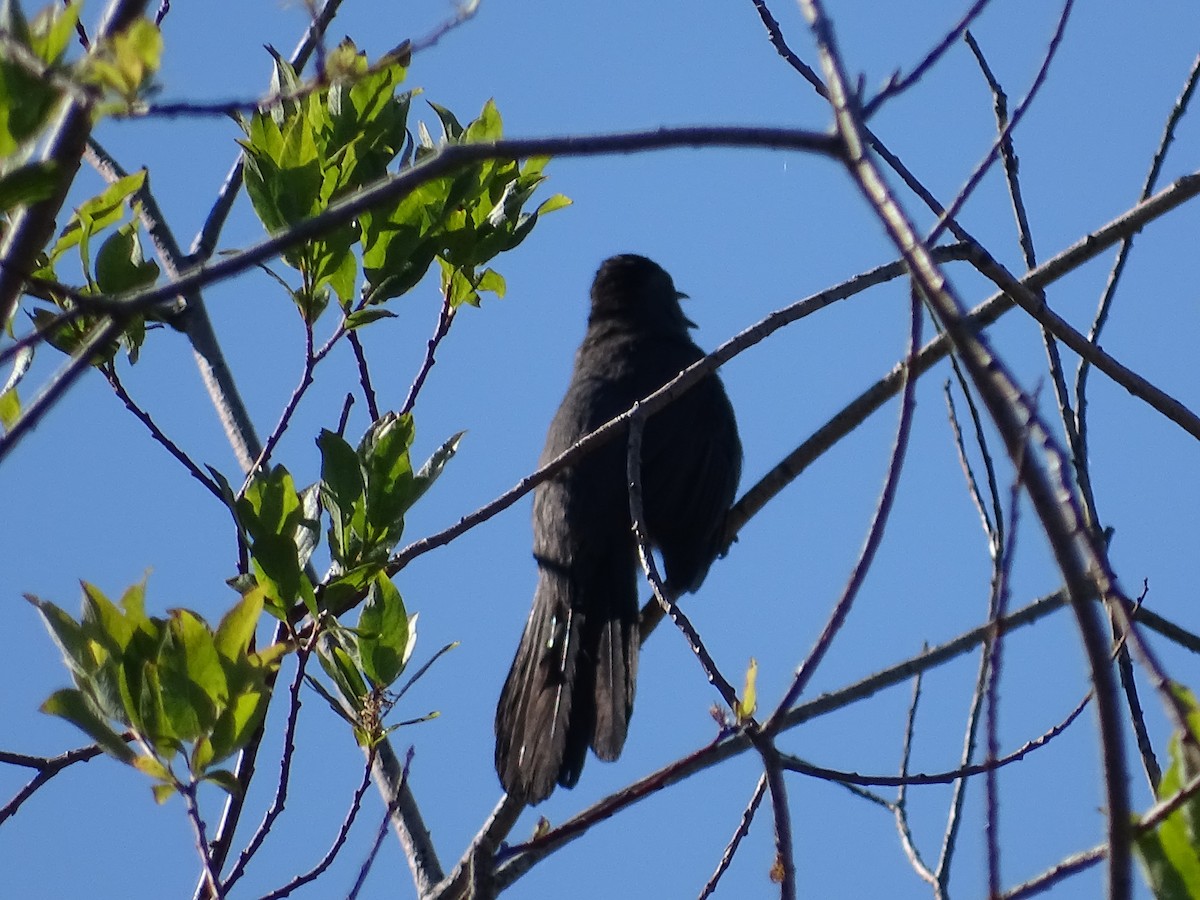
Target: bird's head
{"points": [[634, 288]]}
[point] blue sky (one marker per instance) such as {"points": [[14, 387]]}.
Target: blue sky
{"points": [[89, 495]]}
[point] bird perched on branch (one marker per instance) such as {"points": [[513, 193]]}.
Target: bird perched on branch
{"points": [[572, 681]]}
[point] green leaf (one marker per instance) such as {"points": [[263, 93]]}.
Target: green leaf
{"points": [[431, 470], [154, 768], [68, 635], [748, 702], [1170, 853], [284, 79], [114, 636], [126, 62], [74, 706], [389, 493], [361, 317], [190, 659], [120, 265], [237, 724], [492, 282], [52, 30], [399, 244], [553, 203], [154, 720], [383, 633], [94, 215], [338, 652], [26, 104], [340, 593], [334, 703], [343, 496], [333, 263], [450, 127], [271, 512], [236, 630], [488, 127], [28, 184], [13, 21], [162, 792], [225, 780], [1164, 879], [10, 408], [201, 755]]}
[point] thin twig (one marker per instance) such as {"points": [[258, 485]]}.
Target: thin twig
{"points": [[963, 772], [740, 832], [1014, 419], [46, 768], [995, 647], [445, 317], [784, 869], [633, 471], [978, 698], [523, 857], [1012, 179], [900, 805], [897, 85], [364, 376], [285, 769], [114, 380], [964, 463], [285, 417], [887, 496], [1118, 268], [775, 33], [209, 874], [993, 153], [380, 834], [1137, 716], [338, 842]]}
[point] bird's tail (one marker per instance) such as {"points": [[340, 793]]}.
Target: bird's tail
{"points": [[571, 686]]}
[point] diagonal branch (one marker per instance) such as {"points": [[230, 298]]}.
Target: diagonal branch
{"points": [[31, 226]]}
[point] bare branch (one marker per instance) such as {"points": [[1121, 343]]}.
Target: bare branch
{"points": [[731, 848], [110, 373], [1013, 417], [862, 565], [364, 379], [897, 85], [31, 226], [46, 768], [1114, 276], [445, 318], [900, 806], [285, 770], [338, 842]]}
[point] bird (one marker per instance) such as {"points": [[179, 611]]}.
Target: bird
{"points": [[572, 681]]}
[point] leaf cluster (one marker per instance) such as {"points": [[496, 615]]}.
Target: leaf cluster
{"points": [[366, 492], [153, 690], [313, 147], [1170, 853], [116, 267]]}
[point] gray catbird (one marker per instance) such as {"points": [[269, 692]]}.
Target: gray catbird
{"points": [[572, 682]]}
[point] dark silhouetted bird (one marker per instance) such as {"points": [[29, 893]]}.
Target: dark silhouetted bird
{"points": [[572, 682]]}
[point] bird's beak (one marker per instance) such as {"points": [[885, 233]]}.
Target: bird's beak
{"points": [[680, 295]]}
